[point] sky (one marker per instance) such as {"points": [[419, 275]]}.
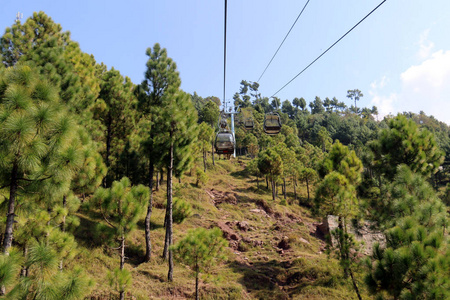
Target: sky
{"points": [[399, 57]]}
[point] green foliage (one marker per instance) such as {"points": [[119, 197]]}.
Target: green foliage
{"points": [[200, 249], [270, 163], [403, 142], [122, 205], [38, 140], [115, 110], [9, 267], [354, 95], [181, 210], [209, 113], [22, 38], [47, 281], [119, 280], [343, 161], [416, 259], [336, 194], [201, 176]]}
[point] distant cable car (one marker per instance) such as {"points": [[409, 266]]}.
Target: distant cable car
{"points": [[249, 124], [223, 123], [224, 143], [272, 123]]}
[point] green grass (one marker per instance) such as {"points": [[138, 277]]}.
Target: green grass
{"points": [[258, 271]]}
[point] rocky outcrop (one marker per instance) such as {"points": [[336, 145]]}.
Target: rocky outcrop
{"points": [[365, 234]]}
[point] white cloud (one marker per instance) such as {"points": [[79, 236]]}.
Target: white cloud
{"points": [[384, 104], [433, 72], [379, 84], [425, 87], [425, 46]]}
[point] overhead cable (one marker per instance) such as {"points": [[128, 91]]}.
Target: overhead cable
{"points": [[224, 51], [329, 48], [283, 41]]}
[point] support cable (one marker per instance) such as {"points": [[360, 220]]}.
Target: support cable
{"points": [[224, 52], [329, 48], [283, 41]]}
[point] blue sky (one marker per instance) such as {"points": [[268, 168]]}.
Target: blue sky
{"points": [[399, 57]]}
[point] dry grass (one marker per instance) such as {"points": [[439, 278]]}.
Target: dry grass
{"points": [[255, 269]]}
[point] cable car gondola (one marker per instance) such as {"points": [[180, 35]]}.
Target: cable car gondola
{"points": [[224, 143], [249, 124], [272, 123]]}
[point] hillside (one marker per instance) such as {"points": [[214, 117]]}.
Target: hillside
{"points": [[273, 251], [87, 156]]}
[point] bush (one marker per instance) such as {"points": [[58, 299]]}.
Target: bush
{"points": [[202, 178], [181, 210]]}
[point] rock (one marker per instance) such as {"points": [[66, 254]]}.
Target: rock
{"points": [[234, 237], [228, 233], [284, 243], [242, 225], [304, 241], [257, 243], [363, 234]]}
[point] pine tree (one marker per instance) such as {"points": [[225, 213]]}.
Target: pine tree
{"points": [[161, 74], [416, 260], [179, 118], [115, 109], [121, 205], [403, 142], [210, 114], [35, 138], [9, 268], [46, 281], [200, 249], [205, 138], [308, 175], [336, 195], [20, 39], [271, 165]]}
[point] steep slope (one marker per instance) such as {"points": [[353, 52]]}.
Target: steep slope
{"points": [[275, 251]]}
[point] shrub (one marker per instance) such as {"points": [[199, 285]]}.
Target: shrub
{"points": [[181, 210]]}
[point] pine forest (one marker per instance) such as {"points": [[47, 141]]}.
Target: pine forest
{"points": [[115, 190]]}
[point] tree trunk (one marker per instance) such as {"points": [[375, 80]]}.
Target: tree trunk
{"points": [[169, 207], [122, 252], [166, 237], [24, 271], [161, 178], [212, 153], [355, 286], [196, 285], [63, 227], [157, 180], [204, 161], [267, 183], [148, 243], [122, 263], [274, 192], [307, 188], [284, 188], [108, 147], [7, 242], [294, 183]]}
